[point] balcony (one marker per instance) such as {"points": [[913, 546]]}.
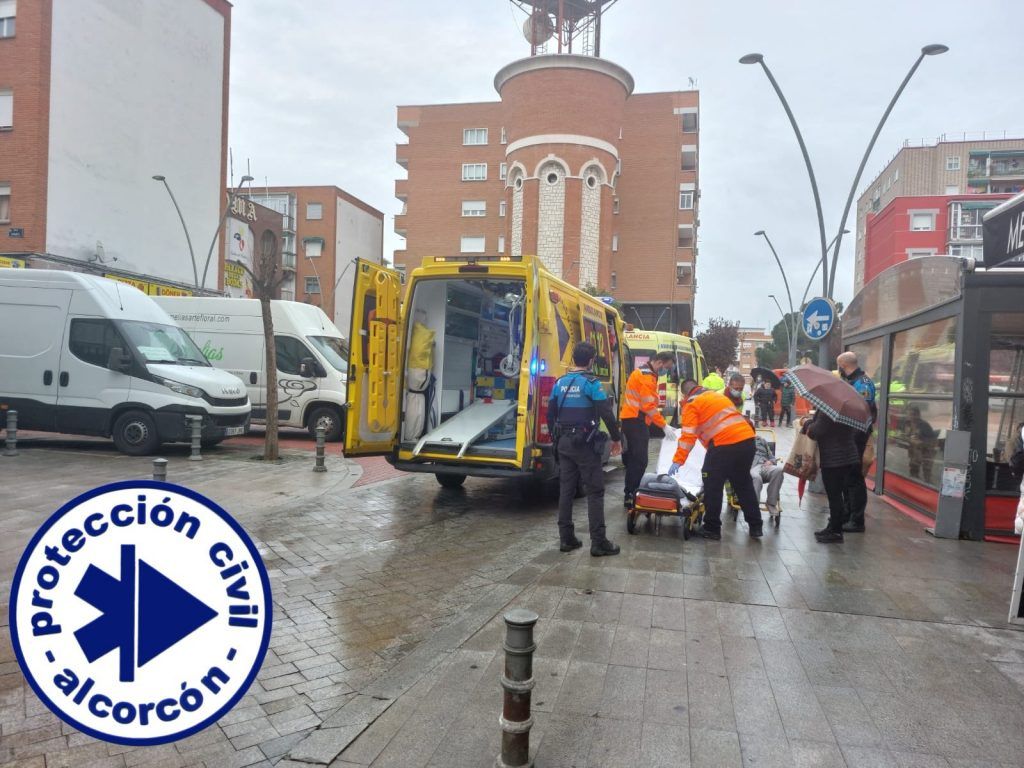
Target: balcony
{"points": [[287, 224], [408, 117], [288, 260], [402, 189], [402, 155], [400, 225]]}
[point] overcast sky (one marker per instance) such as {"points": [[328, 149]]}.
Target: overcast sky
{"points": [[314, 86]]}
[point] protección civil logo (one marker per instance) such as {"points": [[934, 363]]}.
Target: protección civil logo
{"points": [[140, 612]]}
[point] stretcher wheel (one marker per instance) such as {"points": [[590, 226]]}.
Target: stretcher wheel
{"points": [[631, 517]]}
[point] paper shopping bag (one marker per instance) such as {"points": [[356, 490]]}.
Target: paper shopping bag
{"points": [[803, 458]]}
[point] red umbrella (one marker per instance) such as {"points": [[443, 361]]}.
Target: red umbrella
{"points": [[831, 395]]}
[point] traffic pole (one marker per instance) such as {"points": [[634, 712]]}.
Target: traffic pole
{"points": [[160, 470], [197, 436], [11, 443], [518, 682], [321, 440]]}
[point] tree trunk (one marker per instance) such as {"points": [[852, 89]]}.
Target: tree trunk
{"points": [[270, 441]]}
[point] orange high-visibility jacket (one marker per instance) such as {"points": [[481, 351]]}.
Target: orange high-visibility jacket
{"points": [[642, 397], [710, 416]]}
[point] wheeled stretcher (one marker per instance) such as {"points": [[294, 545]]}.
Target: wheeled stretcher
{"points": [[662, 495]]}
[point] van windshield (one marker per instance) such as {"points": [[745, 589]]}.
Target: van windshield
{"points": [[157, 343], [333, 349]]}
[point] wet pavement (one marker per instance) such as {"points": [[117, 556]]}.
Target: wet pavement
{"points": [[889, 650]]}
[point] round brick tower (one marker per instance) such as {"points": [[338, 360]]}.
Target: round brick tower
{"points": [[563, 114]]}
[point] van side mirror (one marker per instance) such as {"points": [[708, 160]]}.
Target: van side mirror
{"points": [[310, 369], [118, 360]]}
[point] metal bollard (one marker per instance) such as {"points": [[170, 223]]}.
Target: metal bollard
{"points": [[11, 444], [517, 680], [197, 436], [160, 470], [321, 444]]}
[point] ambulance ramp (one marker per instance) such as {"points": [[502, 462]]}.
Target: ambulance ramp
{"points": [[466, 426]]}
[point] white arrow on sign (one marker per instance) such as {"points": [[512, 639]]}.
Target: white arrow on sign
{"points": [[816, 321]]}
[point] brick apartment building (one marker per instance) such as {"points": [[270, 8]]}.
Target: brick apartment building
{"points": [[570, 164], [324, 230], [971, 175], [95, 99], [749, 340]]}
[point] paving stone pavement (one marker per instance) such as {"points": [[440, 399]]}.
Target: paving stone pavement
{"points": [[888, 650]]}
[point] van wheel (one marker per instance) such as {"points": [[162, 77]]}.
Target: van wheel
{"points": [[329, 419], [450, 481], [135, 433]]}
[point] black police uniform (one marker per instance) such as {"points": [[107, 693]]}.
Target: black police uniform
{"points": [[578, 400]]}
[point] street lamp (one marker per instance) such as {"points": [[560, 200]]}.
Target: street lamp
{"points": [[817, 266], [758, 58], [828, 277], [790, 319], [216, 232], [188, 238], [790, 356], [934, 49]]}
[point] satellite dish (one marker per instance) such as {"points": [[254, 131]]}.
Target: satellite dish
{"points": [[538, 27]]}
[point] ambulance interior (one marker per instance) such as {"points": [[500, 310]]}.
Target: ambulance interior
{"points": [[464, 352]]}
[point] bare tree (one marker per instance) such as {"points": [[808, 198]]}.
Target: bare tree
{"points": [[266, 275]]}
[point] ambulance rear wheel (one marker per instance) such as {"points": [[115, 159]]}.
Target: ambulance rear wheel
{"points": [[450, 481]]}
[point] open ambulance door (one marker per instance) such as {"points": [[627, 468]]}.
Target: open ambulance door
{"points": [[373, 398]]}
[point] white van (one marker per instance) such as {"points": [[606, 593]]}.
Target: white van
{"points": [[312, 355], [85, 355]]}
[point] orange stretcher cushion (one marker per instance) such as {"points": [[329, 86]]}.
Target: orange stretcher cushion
{"points": [[655, 503]]}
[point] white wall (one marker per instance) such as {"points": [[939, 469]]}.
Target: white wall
{"points": [[360, 236], [136, 90]]}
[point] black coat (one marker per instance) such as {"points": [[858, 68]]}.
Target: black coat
{"points": [[836, 444]]}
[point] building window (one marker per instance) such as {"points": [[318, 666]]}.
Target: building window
{"points": [[474, 208], [685, 236], [474, 171], [953, 163], [690, 122], [922, 222], [474, 136], [615, 243], [966, 251], [314, 211], [503, 171], [615, 205], [685, 199], [501, 208], [615, 281], [473, 245], [501, 243], [918, 253], [952, 189], [504, 135], [965, 221], [689, 158], [5, 203], [312, 285], [6, 109], [8, 10], [684, 272], [314, 247]]}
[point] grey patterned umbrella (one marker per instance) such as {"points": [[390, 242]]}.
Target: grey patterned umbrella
{"points": [[831, 395]]}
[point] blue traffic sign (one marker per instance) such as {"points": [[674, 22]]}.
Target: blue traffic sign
{"points": [[819, 317]]}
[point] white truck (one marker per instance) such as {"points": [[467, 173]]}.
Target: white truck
{"points": [[312, 355], [84, 355]]}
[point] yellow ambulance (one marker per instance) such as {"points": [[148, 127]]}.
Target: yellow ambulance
{"points": [[455, 379], [643, 345]]}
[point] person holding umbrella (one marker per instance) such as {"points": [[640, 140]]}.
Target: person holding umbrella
{"points": [[841, 412]]}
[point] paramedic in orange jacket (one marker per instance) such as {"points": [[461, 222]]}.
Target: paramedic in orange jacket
{"points": [[640, 410], [713, 419]]}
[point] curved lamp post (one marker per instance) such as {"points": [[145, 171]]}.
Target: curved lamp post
{"points": [[188, 238], [790, 342], [817, 266], [929, 50], [790, 318], [758, 58], [216, 232]]}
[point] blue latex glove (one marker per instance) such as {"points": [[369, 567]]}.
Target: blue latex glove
{"points": [[674, 468]]}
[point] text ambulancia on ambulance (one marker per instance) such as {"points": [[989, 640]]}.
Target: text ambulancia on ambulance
{"points": [[140, 612]]}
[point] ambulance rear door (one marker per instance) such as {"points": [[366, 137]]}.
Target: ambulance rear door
{"points": [[376, 362]]}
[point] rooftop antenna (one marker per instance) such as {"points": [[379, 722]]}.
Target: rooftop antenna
{"points": [[567, 21], [231, 166], [693, 82]]}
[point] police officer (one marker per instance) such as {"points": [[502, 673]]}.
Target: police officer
{"points": [[639, 411], [577, 403]]}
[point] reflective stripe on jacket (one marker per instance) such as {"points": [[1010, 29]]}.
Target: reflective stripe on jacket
{"points": [[710, 416], [641, 398]]}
